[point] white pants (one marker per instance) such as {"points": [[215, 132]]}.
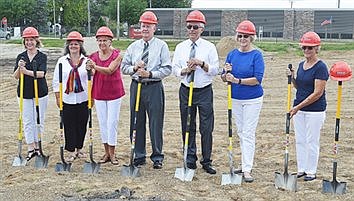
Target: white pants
{"points": [[307, 127], [108, 118], [246, 114], [29, 117]]}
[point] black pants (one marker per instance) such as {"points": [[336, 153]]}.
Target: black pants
{"points": [[75, 117], [203, 101], [152, 103]]}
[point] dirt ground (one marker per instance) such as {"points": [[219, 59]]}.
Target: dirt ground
{"points": [[28, 183]]}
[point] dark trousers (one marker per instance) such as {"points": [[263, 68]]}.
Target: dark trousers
{"points": [[75, 117], [152, 103], [203, 100]]}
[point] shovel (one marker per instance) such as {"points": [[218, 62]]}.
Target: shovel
{"points": [[90, 166], [131, 170], [19, 160], [335, 187], [287, 181], [231, 178], [41, 159], [184, 173], [63, 166]]}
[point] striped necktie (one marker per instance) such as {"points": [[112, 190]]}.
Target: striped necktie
{"points": [[145, 55], [191, 56], [192, 52]]}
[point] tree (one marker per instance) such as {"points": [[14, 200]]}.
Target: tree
{"points": [[130, 10], [170, 4]]}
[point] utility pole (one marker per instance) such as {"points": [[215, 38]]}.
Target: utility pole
{"points": [[54, 26], [118, 20], [88, 18]]}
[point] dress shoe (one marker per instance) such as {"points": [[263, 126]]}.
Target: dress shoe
{"points": [[300, 174], [247, 177], [310, 177], [139, 163], [209, 169], [157, 165], [192, 166]]}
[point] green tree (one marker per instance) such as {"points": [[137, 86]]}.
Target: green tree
{"points": [[75, 15], [169, 4], [130, 10]]}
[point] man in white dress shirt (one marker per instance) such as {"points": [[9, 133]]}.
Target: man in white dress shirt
{"points": [[200, 57]]}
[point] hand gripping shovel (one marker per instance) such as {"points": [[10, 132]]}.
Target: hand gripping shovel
{"points": [[63, 166], [335, 187], [231, 178], [19, 160], [287, 181], [41, 159], [131, 170], [90, 166], [184, 173]]}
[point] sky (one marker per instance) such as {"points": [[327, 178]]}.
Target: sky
{"points": [[272, 4]]}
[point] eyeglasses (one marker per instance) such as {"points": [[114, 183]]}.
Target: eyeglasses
{"points": [[306, 47], [195, 27], [243, 36]]}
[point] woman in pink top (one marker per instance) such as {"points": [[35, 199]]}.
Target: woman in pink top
{"points": [[107, 90]]}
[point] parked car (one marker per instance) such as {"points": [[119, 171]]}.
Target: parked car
{"points": [[5, 34]]}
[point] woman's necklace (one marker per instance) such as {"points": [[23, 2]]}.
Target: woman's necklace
{"points": [[32, 54]]}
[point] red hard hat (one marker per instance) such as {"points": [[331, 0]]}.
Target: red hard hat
{"points": [[104, 31], [30, 32], [340, 71], [74, 35], [196, 16], [246, 27], [310, 39], [148, 17]]}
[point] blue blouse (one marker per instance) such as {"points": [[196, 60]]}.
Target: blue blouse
{"points": [[305, 82], [246, 65]]}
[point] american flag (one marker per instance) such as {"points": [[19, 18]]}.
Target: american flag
{"points": [[327, 21]]}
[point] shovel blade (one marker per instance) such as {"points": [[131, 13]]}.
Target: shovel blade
{"points": [[334, 187], [19, 161], [184, 174], [60, 167], [91, 168], [130, 171], [41, 162], [286, 181], [234, 179]]}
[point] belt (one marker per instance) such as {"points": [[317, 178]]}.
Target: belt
{"points": [[196, 89], [148, 83]]}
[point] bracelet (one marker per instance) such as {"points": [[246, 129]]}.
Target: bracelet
{"points": [[239, 81], [150, 74], [202, 65]]}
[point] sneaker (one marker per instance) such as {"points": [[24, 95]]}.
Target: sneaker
{"points": [[310, 177], [247, 177]]}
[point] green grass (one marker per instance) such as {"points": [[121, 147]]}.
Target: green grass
{"points": [[268, 46]]}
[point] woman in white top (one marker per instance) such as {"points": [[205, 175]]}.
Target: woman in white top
{"points": [[75, 99]]}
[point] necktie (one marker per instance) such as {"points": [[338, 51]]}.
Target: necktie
{"points": [[191, 56], [145, 55]]}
